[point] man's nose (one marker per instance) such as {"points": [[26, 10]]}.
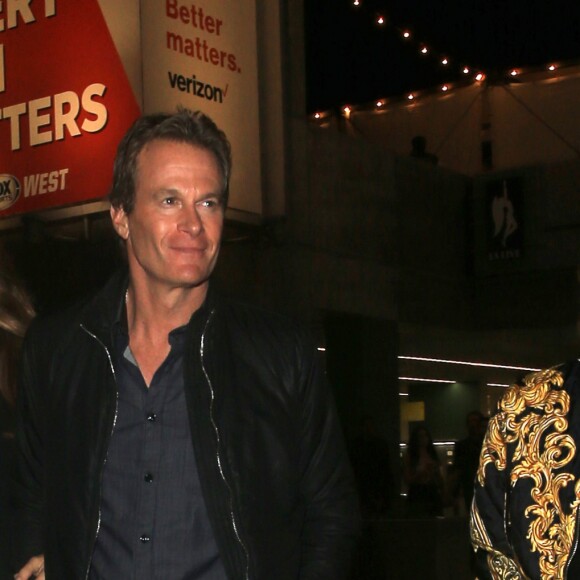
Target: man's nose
{"points": [[190, 222]]}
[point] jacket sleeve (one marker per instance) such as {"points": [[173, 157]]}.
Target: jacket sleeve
{"points": [[495, 558], [28, 493], [332, 518]]}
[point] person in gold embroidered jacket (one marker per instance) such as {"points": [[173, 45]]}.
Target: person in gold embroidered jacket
{"points": [[524, 515]]}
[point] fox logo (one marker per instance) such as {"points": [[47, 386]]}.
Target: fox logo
{"points": [[9, 190]]}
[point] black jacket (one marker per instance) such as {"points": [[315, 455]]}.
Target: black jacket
{"points": [[524, 516], [271, 457]]}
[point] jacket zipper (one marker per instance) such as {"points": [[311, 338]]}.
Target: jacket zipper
{"points": [[574, 547], [98, 527], [218, 456]]}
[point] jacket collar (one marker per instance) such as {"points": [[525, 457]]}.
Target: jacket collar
{"points": [[106, 308]]}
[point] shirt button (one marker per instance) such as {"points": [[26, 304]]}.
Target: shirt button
{"points": [[151, 417], [144, 538], [148, 478]]}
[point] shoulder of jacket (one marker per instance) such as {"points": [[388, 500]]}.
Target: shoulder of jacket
{"points": [[271, 336], [50, 325], [554, 376], [60, 327], [540, 389]]}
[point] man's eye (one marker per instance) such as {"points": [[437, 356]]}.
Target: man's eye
{"points": [[210, 203], [169, 201]]}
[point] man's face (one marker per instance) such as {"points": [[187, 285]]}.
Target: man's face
{"points": [[173, 233]]}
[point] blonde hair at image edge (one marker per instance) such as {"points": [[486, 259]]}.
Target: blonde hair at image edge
{"points": [[16, 312]]}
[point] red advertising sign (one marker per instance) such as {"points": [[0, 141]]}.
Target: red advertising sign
{"points": [[65, 102]]}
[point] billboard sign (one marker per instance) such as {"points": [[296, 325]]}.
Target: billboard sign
{"points": [[65, 101], [203, 55]]}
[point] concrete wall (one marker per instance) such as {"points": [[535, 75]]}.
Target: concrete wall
{"points": [[432, 242]]}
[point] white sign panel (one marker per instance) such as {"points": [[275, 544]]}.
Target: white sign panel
{"points": [[203, 55]]}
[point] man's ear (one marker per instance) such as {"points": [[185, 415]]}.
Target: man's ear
{"points": [[120, 221]]}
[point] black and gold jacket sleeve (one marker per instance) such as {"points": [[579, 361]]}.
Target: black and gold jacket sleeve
{"points": [[527, 489]]}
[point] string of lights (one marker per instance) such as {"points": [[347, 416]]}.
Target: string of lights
{"points": [[464, 72], [380, 20]]}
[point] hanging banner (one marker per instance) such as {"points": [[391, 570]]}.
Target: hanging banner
{"points": [[504, 218], [74, 74], [65, 102], [203, 55]]}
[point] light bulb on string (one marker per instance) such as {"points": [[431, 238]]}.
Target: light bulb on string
{"points": [[382, 20]]}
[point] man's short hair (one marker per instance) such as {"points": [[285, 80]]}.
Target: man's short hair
{"points": [[184, 126]]}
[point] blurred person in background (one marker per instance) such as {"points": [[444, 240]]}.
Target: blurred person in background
{"points": [[369, 453], [16, 312], [466, 458], [423, 475]]}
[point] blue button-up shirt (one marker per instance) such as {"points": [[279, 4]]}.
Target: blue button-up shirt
{"points": [[154, 522]]}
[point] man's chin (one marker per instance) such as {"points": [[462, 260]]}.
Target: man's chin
{"points": [[191, 282], [191, 279]]}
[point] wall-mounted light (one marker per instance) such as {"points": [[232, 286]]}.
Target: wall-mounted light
{"points": [[425, 380], [465, 362]]}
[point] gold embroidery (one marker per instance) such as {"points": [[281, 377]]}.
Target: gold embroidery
{"points": [[503, 568], [477, 531], [500, 566], [542, 446]]}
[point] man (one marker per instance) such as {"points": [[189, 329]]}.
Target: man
{"points": [[168, 433], [369, 455], [524, 519], [466, 457]]}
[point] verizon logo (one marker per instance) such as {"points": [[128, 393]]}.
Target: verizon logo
{"points": [[197, 88]]}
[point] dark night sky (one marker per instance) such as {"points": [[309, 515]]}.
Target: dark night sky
{"points": [[351, 60]]}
